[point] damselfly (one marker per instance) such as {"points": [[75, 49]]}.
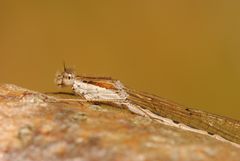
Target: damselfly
{"points": [[111, 91]]}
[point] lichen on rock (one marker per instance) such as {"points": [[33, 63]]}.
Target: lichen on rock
{"points": [[38, 127]]}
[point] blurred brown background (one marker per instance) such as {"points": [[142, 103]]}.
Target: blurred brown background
{"points": [[187, 51]]}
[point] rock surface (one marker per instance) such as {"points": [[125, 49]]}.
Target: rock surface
{"points": [[39, 127]]}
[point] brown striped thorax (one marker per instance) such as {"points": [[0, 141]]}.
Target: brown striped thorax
{"points": [[92, 88]]}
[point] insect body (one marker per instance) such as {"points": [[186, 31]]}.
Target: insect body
{"points": [[92, 88], [108, 90]]}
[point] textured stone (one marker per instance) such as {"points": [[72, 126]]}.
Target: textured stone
{"points": [[39, 127]]}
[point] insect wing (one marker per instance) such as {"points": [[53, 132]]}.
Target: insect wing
{"points": [[214, 124]]}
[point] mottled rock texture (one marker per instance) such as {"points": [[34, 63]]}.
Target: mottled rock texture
{"points": [[39, 127]]}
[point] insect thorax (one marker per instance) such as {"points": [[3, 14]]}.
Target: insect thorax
{"points": [[93, 92]]}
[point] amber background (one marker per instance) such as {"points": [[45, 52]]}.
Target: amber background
{"points": [[187, 51]]}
